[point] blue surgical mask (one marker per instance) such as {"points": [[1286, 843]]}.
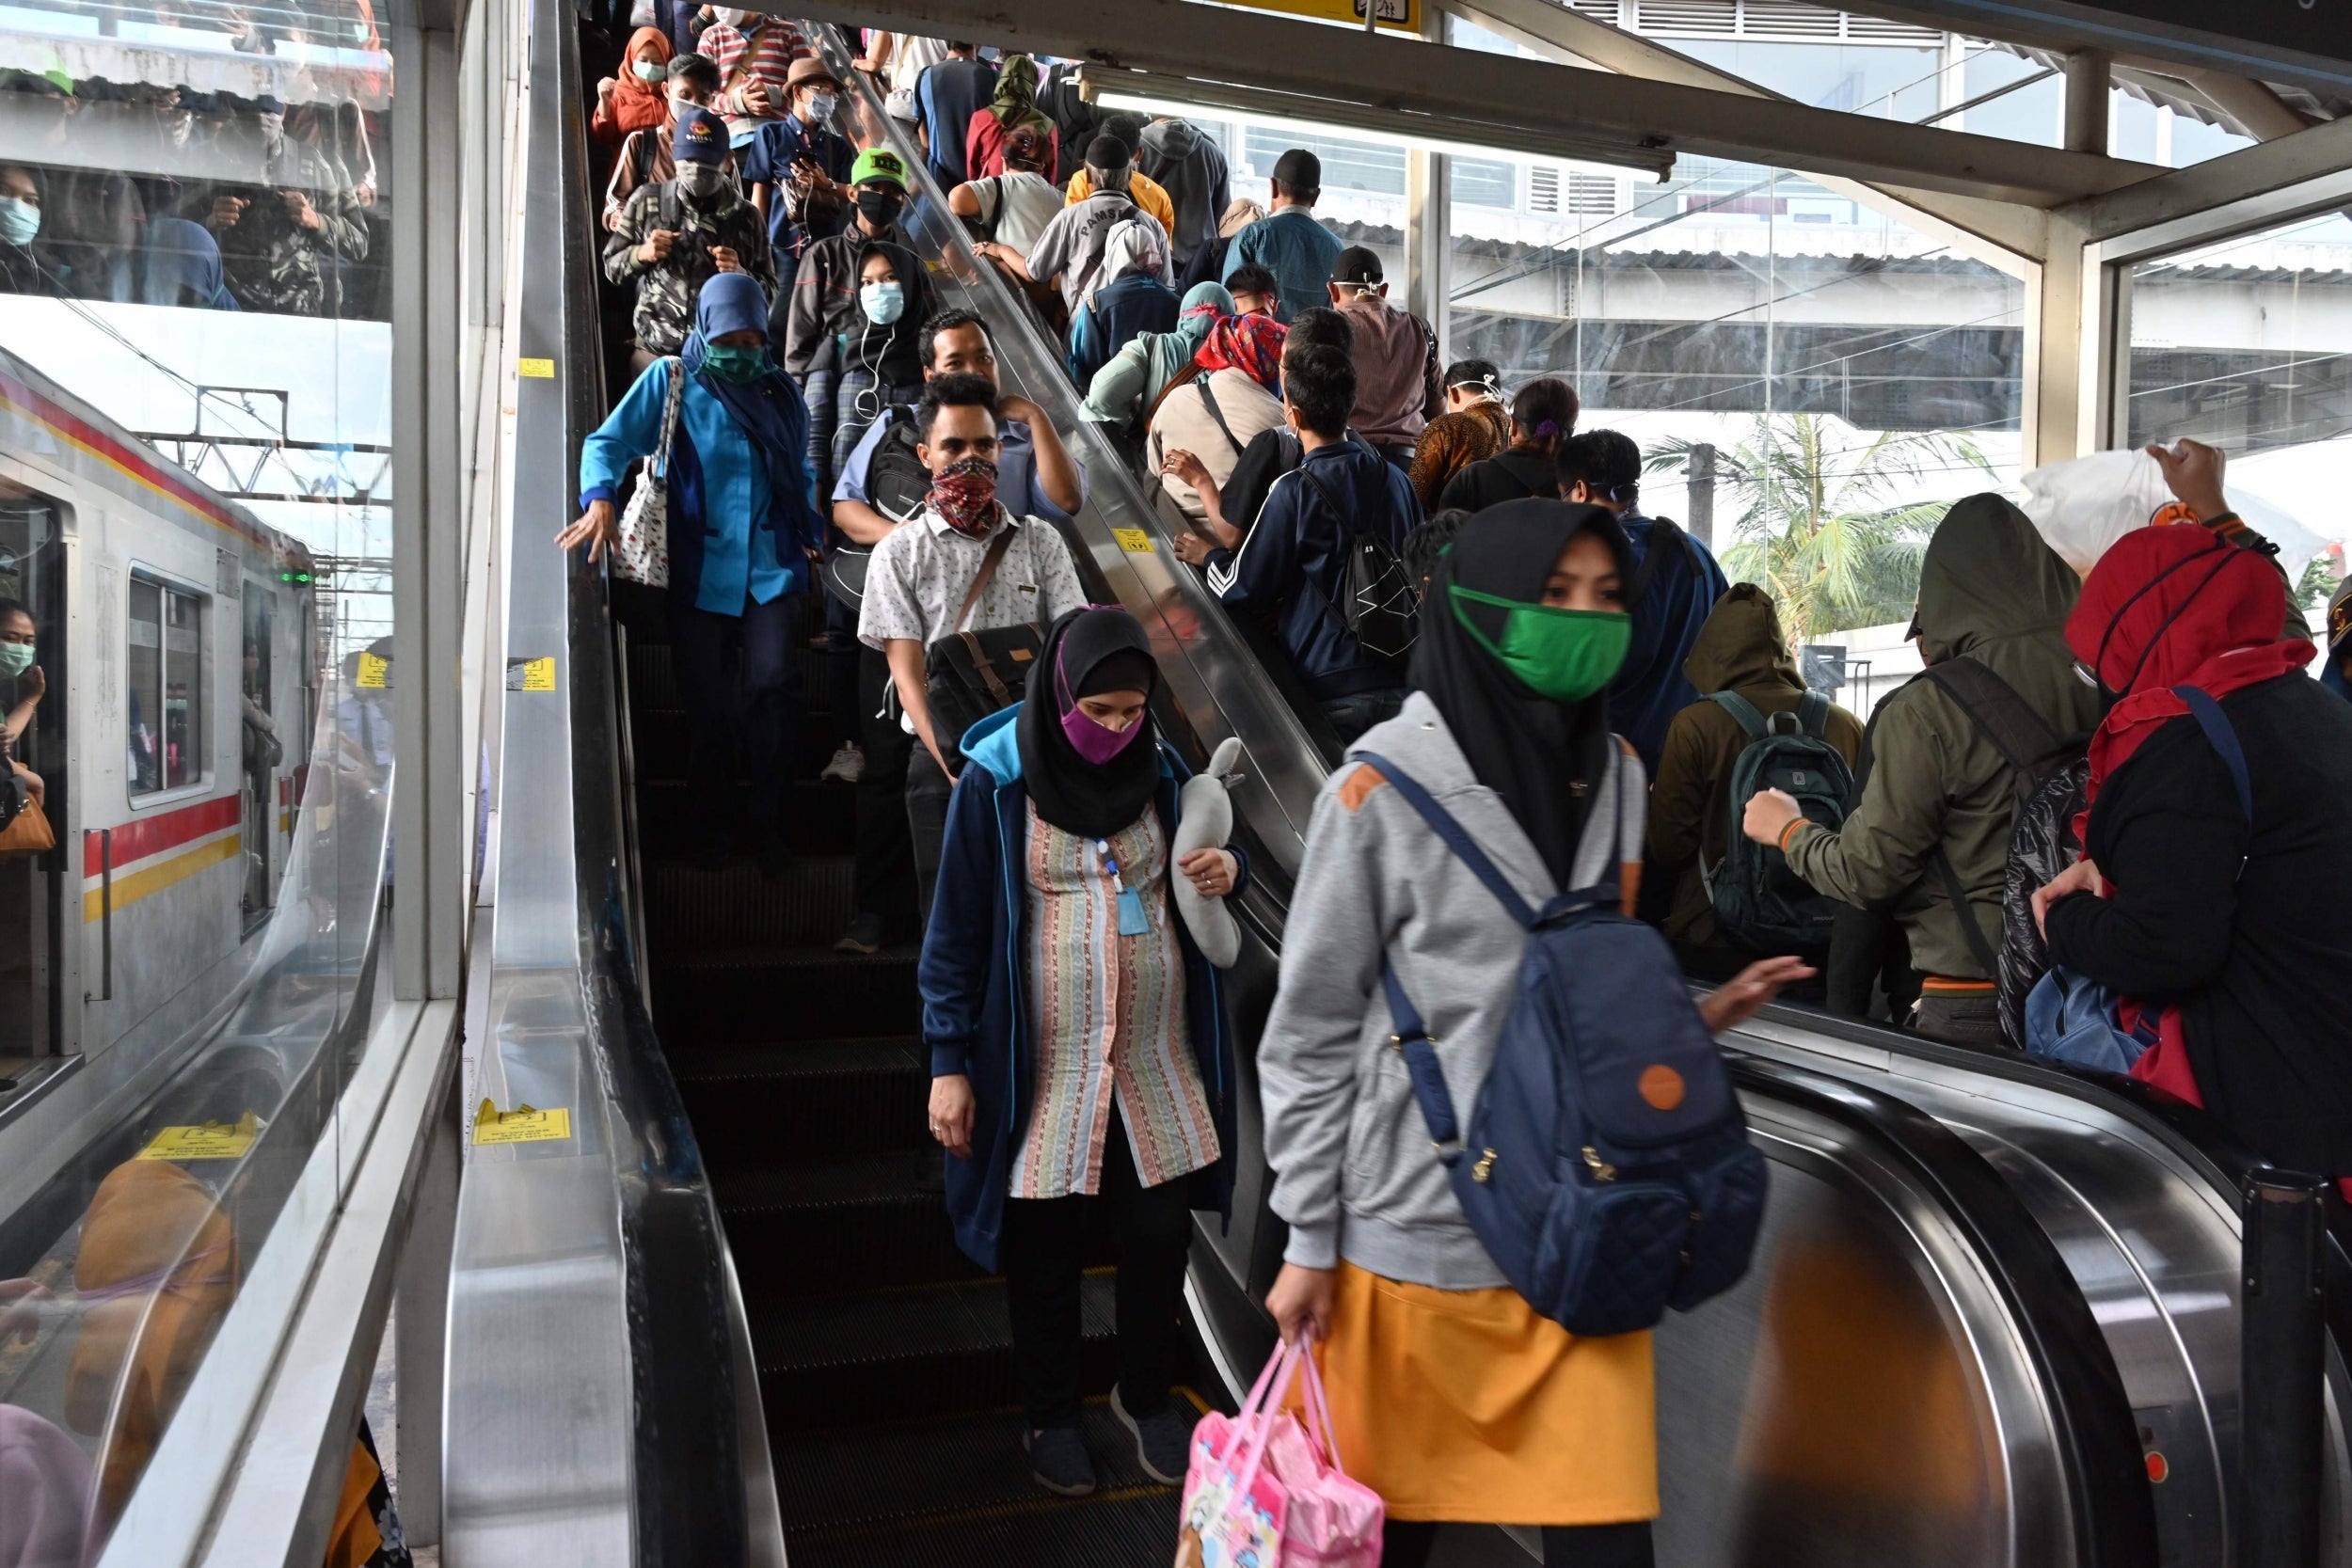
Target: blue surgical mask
{"points": [[884, 302], [649, 71], [19, 220]]}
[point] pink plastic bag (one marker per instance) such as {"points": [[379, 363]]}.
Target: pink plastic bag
{"points": [[1261, 1492]]}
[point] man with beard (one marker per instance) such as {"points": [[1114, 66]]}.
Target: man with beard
{"points": [[676, 235]]}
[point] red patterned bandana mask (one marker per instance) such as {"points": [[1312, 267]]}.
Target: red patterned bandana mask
{"points": [[965, 492]]}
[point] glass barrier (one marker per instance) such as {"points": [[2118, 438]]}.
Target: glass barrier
{"points": [[195, 550], [2247, 345]]}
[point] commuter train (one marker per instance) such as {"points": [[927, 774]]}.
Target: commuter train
{"points": [[177, 640]]}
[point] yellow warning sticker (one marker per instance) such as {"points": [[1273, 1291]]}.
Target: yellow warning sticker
{"points": [[1132, 540], [521, 1125], [535, 370], [215, 1140], [375, 672], [530, 675]]}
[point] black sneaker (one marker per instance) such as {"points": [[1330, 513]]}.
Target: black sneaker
{"points": [[1058, 1462], [864, 935], [1163, 1440]]}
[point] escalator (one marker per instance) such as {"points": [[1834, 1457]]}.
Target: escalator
{"points": [[1991, 1320]]}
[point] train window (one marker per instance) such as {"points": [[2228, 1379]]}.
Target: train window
{"points": [[166, 718], [33, 714], [263, 750]]}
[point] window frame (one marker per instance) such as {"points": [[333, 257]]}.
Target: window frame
{"points": [[170, 584]]}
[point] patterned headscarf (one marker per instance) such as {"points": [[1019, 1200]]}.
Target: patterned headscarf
{"points": [[1015, 103], [1251, 343]]}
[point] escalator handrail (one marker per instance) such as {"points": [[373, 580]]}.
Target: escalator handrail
{"points": [[2090, 1415]]}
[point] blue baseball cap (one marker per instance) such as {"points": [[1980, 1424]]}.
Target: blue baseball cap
{"points": [[701, 137]]}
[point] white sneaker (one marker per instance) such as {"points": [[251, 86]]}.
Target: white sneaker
{"points": [[847, 767]]}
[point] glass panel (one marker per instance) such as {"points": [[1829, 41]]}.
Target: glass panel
{"points": [[1809, 379], [184, 689], [34, 713], [1347, 166], [144, 687], [2247, 345], [261, 749]]}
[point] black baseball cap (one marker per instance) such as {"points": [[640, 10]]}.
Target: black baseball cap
{"points": [[1299, 171], [1359, 264]]}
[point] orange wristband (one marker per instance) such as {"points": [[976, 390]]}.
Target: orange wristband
{"points": [[1790, 832]]}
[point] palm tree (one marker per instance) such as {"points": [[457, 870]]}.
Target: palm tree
{"points": [[1818, 525]]}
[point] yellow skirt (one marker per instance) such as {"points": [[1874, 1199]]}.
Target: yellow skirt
{"points": [[1465, 1406]]}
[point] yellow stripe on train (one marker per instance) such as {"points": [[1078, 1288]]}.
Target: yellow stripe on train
{"points": [[131, 889]]}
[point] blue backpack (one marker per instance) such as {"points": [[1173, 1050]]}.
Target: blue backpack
{"points": [[1611, 1173]]}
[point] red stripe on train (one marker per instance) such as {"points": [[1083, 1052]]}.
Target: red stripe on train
{"points": [[153, 836], [128, 459]]}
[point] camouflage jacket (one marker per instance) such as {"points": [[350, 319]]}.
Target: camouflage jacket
{"points": [[272, 263], [667, 290]]}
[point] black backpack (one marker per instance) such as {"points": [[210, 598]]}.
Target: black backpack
{"points": [[2047, 777], [1759, 902], [1377, 602]]}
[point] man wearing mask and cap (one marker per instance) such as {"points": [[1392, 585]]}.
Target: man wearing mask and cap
{"points": [[754, 53], [824, 298], [1289, 242], [677, 234], [644, 156], [798, 167], [1398, 391], [1073, 244]]}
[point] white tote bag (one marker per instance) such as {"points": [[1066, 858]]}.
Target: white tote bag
{"points": [[643, 554]]}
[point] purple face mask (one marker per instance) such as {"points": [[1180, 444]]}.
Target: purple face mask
{"points": [[1089, 737]]}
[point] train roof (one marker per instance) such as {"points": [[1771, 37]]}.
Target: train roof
{"points": [[40, 418]]}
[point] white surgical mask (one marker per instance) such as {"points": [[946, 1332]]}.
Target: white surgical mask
{"points": [[733, 18], [701, 178], [884, 302], [649, 71], [820, 107], [19, 220]]}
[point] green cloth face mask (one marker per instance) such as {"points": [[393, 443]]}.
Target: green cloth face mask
{"points": [[15, 657], [734, 362], [1566, 655]]}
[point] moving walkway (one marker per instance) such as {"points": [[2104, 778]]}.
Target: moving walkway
{"points": [[1994, 1317]]}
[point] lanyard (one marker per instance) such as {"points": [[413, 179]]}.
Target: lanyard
{"points": [[1130, 919]]}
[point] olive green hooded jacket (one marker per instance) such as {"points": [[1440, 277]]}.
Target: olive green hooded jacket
{"points": [[1991, 588], [1743, 649]]}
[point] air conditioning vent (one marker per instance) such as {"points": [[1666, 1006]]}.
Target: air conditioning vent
{"points": [[1600, 11], [1786, 19], [1707, 19], [1543, 189], [1878, 29], [1592, 196]]}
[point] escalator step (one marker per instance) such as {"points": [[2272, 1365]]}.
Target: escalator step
{"points": [[737, 997], [653, 678], [1116, 1530], [818, 818], [880, 1355], [810, 1097], [690, 906], [850, 1481], [853, 1222], [659, 738]]}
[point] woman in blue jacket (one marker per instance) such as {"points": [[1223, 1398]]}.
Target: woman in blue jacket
{"points": [[743, 526], [1079, 1052]]}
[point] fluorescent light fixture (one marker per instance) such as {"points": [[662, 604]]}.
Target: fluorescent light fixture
{"points": [[1180, 96]]}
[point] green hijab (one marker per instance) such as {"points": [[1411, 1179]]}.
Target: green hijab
{"points": [[1015, 103]]}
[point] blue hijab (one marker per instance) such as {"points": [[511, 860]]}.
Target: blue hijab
{"points": [[1650, 687], [180, 263], [769, 408]]}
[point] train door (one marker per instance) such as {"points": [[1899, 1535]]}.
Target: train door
{"points": [[34, 712], [263, 750]]}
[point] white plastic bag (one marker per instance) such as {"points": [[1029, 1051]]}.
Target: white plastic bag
{"points": [[2084, 504]]}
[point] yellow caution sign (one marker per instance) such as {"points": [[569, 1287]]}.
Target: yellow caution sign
{"points": [[1397, 15], [375, 672], [541, 369], [215, 1140], [1132, 540], [521, 1125], [530, 675]]}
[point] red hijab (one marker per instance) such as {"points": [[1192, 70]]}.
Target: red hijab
{"points": [[1249, 344], [2169, 607], [636, 104]]}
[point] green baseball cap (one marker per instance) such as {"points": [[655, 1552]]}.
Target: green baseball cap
{"points": [[878, 163]]}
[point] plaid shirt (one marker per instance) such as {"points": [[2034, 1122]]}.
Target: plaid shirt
{"points": [[768, 56]]}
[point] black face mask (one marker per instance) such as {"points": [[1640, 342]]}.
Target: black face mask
{"points": [[880, 207]]}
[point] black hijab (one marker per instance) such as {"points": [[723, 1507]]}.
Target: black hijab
{"points": [[893, 353], [1545, 759], [1087, 653]]}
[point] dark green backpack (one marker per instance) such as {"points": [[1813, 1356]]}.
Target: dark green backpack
{"points": [[1760, 903]]}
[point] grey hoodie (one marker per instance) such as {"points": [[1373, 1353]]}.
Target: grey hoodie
{"points": [[1189, 167], [1356, 1174]]}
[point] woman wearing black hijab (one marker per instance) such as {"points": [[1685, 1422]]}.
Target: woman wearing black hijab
{"points": [[1079, 1054], [1450, 1396]]}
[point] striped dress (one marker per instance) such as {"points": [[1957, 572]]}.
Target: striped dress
{"points": [[1109, 1017]]}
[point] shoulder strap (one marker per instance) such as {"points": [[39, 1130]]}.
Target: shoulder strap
{"points": [[1739, 708], [670, 403], [666, 205], [1653, 560], [1457, 837], [2223, 734], [1208, 401], [1347, 539], [1978, 945], [988, 562], [1182, 378], [1813, 713], [2016, 731]]}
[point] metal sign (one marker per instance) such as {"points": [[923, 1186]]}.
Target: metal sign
{"points": [[1403, 16]]}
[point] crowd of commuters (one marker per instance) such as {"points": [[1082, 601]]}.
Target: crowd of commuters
{"points": [[217, 202], [1584, 691]]}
